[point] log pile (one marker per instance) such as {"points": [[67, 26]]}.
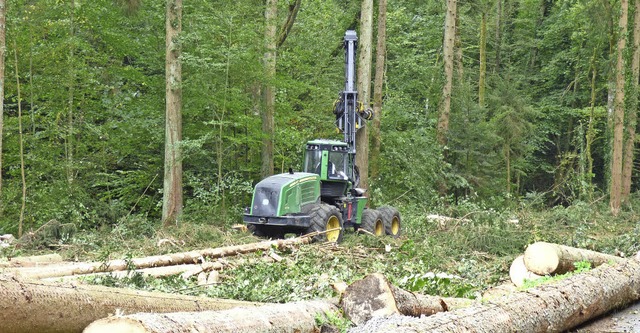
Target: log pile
{"points": [[373, 304]]}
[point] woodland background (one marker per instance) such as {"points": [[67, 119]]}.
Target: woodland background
{"points": [[92, 99]]}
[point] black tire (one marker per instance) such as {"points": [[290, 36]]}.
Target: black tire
{"points": [[372, 222], [326, 217], [392, 221]]}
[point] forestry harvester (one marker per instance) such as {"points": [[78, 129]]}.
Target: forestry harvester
{"points": [[324, 197]]}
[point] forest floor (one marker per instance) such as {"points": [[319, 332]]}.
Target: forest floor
{"points": [[459, 257]]}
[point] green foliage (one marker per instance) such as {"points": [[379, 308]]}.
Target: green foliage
{"points": [[580, 267]]}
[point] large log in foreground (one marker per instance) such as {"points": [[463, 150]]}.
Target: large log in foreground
{"points": [[547, 258], [375, 296], [547, 308], [36, 306], [290, 317], [191, 257]]}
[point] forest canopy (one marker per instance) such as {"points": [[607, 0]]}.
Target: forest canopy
{"points": [[531, 115]]}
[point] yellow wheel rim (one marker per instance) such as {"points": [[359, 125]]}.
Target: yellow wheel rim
{"points": [[379, 228], [333, 223], [395, 225]]}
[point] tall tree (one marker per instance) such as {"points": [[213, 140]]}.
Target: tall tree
{"points": [[172, 195], [483, 59], [498, 35], [20, 139], [268, 113], [632, 112], [448, 49], [69, 146], [364, 87], [3, 48], [381, 51], [618, 115]]}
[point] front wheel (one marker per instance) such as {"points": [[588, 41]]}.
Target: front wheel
{"points": [[392, 221], [372, 222], [327, 220]]}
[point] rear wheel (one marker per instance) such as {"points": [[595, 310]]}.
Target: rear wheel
{"points": [[392, 221], [326, 219], [372, 222]]}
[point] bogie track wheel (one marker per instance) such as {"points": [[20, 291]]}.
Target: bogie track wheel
{"points": [[372, 222], [328, 220], [392, 221]]}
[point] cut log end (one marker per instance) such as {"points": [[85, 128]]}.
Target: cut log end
{"points": [[542, 258], [116, 324], [519, 273], [369, 297]]}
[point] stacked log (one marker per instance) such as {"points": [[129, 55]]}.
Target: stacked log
{"points": [[291, 317], [554, 307]]}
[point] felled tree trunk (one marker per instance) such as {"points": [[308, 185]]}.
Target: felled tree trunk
{"points": [[546, 258], [53, 307], [547, 308], [289, 317], [188, 270], [45, 259], [192, 257], [374, 296]]}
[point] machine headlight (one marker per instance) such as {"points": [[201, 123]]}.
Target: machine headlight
{"points": [[265, 202]]}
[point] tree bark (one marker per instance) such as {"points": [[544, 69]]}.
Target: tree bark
{"points": [[268, 114], [289, 317], [498, 35], [29, 306], [518, 272], [547, 308], [374, 296], [448, 48], [364, 87], [546, 258], [172, 195], [615, 192], [632, 114], [381, 52], [155, 261], [21, 142], [45, 259]]}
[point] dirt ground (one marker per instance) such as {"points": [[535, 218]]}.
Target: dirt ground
{"points": [[625, 320]]}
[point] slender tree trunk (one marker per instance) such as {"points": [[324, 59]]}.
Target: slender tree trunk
{"points": [[591, 129], [291, 18], [498, 35], [507, 158], [459, 64], [632, 112], [483, 60], [448, 48], [20, 139], [271, 15], [3, 48], [172, 196], [618, 117], [381, 51], [364, 87], [72, 83]]}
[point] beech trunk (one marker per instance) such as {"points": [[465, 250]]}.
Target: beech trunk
{"points": [[289, 317], [191, 257], [36, 306], [374, 296], [546, 258], [547, 308]]}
